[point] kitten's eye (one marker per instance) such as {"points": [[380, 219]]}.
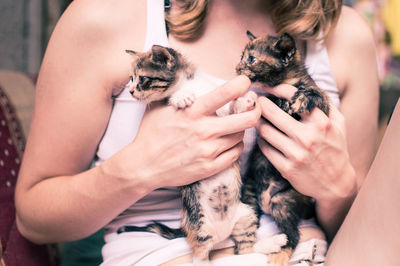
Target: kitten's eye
{"points": [[142, 79], [251, 59]]}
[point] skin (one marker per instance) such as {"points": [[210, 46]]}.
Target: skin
{"points": [[376, 233], [73, 102]]}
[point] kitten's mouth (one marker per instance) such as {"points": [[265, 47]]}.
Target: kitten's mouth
{"points": [[139, 97], [246, 72], [146, 97]]}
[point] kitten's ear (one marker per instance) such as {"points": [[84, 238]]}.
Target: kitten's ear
{"points": [[250, 35], [161, 55], [286, 45], [132, 53]]}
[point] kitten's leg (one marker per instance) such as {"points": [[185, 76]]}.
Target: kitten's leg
{"points": [[239, 105], [244, 231], [305, 100], [256, 179], [183, 96], [200, 238], [281, 102], [199, 234], [286, 207], [244, 103], [182, 99]]}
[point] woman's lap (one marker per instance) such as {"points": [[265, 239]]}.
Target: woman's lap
{"points": [[177, 252], [311, 252]]}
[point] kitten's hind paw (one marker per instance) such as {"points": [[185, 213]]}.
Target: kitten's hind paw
{"points": [[245, 103], [270, 244]]}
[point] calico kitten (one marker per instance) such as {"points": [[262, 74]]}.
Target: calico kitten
{"points": [[212, 210], [271, 61]]}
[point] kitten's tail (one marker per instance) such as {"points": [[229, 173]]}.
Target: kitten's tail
{"points": [[155, 227]]}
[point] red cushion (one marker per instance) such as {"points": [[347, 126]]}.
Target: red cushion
{"points": [[16, 250]]}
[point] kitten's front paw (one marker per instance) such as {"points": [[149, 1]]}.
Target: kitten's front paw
{"points": [[245, 103], [300, 104], [306, 100], [182, 100], [271, 244]]}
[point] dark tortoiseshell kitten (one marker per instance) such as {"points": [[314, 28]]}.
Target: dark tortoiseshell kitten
{"points": [[212, 210], [271, 61]]}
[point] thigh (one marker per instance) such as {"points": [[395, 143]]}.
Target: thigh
{"points": [[369, 234]]}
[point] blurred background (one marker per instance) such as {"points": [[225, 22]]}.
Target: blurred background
{"points": [[383, 17], [25, 27]]}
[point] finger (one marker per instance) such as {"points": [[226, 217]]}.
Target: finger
{"points": [[282, 91], [224, 160], [317, 117], [323, 122], [279, 118], [278, 140], [210, 102], [234, 123], [278, 160], [224, 143]]}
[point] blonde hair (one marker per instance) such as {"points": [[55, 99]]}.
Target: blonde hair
{"points": [[186, 19], [304, 19]]}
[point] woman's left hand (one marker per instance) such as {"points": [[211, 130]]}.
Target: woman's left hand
{"points": [[311, 154]]}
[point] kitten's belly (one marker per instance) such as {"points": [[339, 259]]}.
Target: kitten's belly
{"points": [[219, 198]]}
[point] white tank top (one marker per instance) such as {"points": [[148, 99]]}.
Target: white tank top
{"points": [[164, 205]]}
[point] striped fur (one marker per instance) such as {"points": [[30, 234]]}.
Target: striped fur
{"points": [[155, 73]]}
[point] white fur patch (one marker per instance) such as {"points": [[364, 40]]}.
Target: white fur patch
{"points": [[187, 90], [222, 225]]}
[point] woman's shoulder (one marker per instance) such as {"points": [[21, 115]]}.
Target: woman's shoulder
{"points": [[101, 30], [348, 43], [351, 33], [351, 27], [108, 16]]}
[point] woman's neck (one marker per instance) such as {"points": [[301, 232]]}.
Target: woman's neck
{"points": [[250, 7], [242, 15], [218, 48]]}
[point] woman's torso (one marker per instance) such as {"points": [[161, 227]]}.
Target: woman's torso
{"points": [[164, 205]]}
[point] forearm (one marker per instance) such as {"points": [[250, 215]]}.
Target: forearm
{"points": [[67, 208], [332, 209]]}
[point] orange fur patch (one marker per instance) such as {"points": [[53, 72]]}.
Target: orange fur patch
{"points": [[280, 258]]}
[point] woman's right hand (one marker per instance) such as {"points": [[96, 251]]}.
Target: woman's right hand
{"points": [[178, 147]]}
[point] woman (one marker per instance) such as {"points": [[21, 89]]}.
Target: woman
{"points": [[83, 112]]}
